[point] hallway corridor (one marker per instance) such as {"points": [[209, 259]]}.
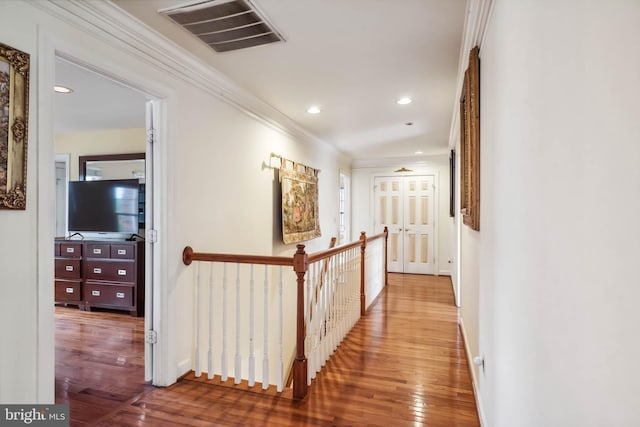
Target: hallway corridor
{"points": [[402, 364]]}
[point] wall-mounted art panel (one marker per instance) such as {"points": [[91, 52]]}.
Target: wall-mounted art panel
{"points": [[470, 143], [14, 111], [300, 219]]}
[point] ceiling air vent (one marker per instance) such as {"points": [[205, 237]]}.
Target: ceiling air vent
{"points": [[225, 24]]}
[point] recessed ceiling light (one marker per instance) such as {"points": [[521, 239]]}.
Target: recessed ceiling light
{"points": [[62, 89], [404, 100], [314, 109], [418, 152]]}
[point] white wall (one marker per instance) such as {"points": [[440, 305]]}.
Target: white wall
{"points": [[108, 141], [18, 250], [555, 261], [362, 202], [217, 195]]}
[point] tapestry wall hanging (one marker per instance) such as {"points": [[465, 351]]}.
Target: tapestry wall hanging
{"points": [[300, 220], [14, 108]]}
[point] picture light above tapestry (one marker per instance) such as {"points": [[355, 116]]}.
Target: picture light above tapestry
{"points": [[14, 110], [300, 220]]}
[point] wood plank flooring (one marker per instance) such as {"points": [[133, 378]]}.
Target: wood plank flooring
{"points": [[99, 362], [403, 364]]}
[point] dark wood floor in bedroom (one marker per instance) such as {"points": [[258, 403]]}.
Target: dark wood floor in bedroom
{"points": [[403, 364]]}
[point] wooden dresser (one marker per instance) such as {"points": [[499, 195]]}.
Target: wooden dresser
{"points": [[108, 274], [68, 272]]}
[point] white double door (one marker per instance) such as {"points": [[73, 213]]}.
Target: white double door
{"points": [[405, 205]]}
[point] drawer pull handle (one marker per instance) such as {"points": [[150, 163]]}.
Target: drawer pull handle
{"points": [[122, 272], [119, 294], [122, 251], [71, 250], [95, 293], [68, 267], [97, 251], [69, 290], [97, 270]]}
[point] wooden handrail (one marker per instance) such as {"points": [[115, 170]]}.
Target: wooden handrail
{"points": [[188, 256], [327, 253], [382, 235]]}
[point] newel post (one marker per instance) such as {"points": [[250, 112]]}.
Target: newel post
{"points": [[363, 247], [300, 266], [386, 245]]}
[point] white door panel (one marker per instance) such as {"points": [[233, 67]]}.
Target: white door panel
{"points": [[405, 205], [418, 227], [388, 213]]}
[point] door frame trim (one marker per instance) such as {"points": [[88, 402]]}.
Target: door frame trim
{"points": [[50, 47], [66, 159]]}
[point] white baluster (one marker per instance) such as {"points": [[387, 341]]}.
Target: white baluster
{"points": [[346, 294], [315, 294], [210, 368], [252, 355], [308, 318], [332, 311], [322, 345], [339, 293], [326, 321], [279, 379], [321, 277], [339, 290], [197, 296], [336, 280], [223, 356], [237, 376], [265, 355], [355, 283]]}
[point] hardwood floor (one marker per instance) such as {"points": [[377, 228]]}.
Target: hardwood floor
{"points": [[99, 362], [403, 364]]}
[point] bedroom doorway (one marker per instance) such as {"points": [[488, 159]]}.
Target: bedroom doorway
{"points": [[122, 123]]}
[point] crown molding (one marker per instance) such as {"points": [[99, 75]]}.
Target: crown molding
{"points": [[476, 21], [107, 22]]}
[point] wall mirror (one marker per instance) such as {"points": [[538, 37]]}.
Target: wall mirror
{"points": [[117, 166], [112, 166]]}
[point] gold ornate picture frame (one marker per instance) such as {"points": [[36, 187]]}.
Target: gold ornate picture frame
{"points": [[14, 112], [470, 143], [300, 220]]}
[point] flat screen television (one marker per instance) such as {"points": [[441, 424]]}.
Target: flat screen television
{"points": [[107, 208]]}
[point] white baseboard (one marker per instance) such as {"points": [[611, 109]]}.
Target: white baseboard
{"points": [[472, 371], [184, 367], [444, 273]]}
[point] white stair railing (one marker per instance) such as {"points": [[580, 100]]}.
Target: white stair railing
{"points": [[229, 287], [302, 326], [333, 305]]}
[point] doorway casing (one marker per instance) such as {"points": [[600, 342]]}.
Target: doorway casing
{"points": [[49, 47]]}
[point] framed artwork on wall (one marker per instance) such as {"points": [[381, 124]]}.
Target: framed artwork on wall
{"points": [[14, 110], [300, 220], [470, 143], [452, 184]]}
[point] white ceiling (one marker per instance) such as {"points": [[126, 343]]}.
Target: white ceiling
{"points": [[96, 103], [353, 58]]}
